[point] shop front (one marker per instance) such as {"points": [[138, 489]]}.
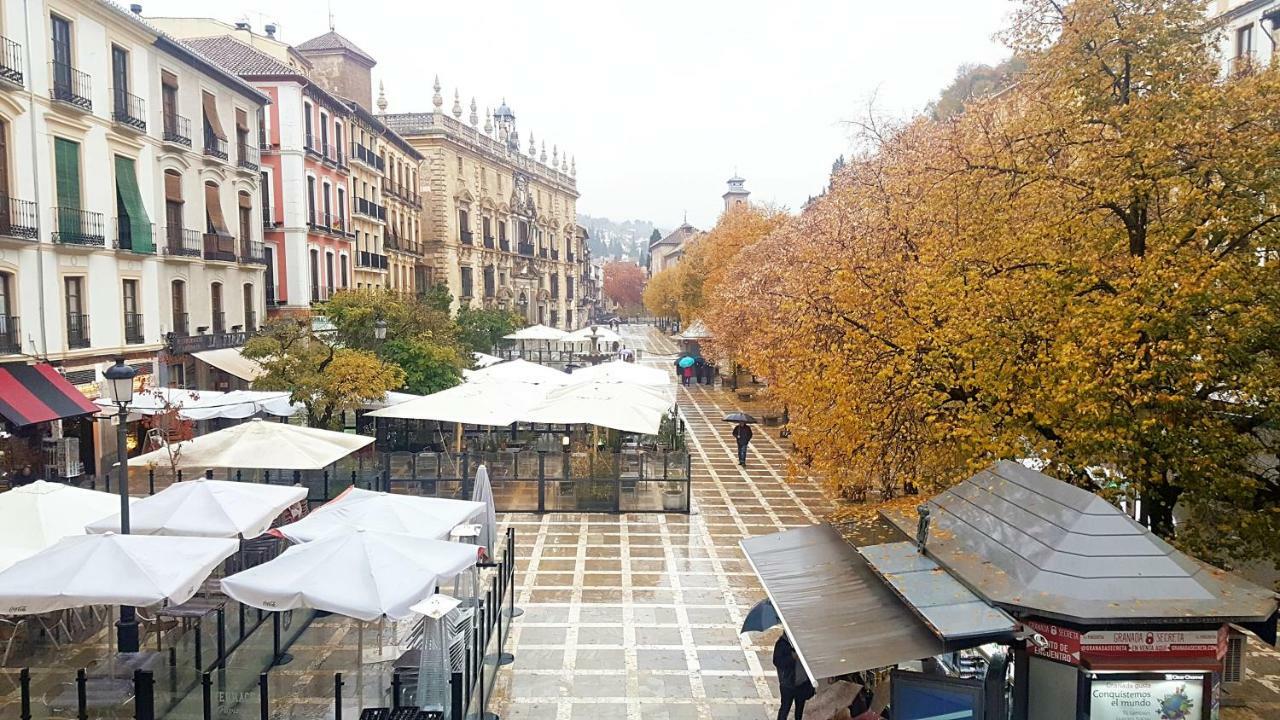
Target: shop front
{"points": [[47, 425]]}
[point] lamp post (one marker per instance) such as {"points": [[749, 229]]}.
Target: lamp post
{"points": [[119, 388]]}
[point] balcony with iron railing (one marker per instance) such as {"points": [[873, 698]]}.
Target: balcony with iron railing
{"points": [[269, 217], [489, 241], [372, 261], [219, 322], [17, 217], [270, 292], [10, 62], [253, 252], [73, 226], [364, 155], [77, 331], [568, 256], [214, 146], [10, 335], [220, 247], [250, 321], [465, 237], [368, 209], [128, 110], [542, 252], [337, 156], [182, 242], [313, 146], [525, 249], [133, 328], [70, 86], [555, 254], [504, 245], [181, 324], [327, 222], [247, 157], [177, 129], [125, 239]]}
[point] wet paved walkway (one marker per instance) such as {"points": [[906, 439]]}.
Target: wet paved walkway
{"points": [[636, 617]]}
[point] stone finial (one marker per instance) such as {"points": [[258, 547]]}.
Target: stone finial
{"points": [[488, 122], [564, 163], [382, 98], [533, 147], [543, 157], [475, 116], [457, 106], [436, 99], [555, 155], [573, 167]]}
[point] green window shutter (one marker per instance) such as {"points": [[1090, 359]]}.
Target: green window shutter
{"points": [[66, 157], [139, 223]]}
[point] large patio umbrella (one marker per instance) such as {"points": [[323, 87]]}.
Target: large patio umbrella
{"points": [[110, 569], [630, 408], [494, 403], [362, 574], [519, 371], [34, 517], [618, 371], [207, 508], [484, 360], [483, 493], [355, 509], [537, 332], [259, 444]]}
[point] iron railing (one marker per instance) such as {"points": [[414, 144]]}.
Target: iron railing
{"points": [[314, 146], [181, 324], [248, 157], [177, 129], [465, 236], [73, 226], [133, 328], [71, 86], [10, 335], [77, 331], [369, 209], [214, 146], [219, 322], [488, 241], [124, 235], [526, 249], [219, 246], [370, 260], [268, 217], [250, 321], [253, 252], [10, 61], [182, 242], [18, 217], [504, 245], [128, 109]]}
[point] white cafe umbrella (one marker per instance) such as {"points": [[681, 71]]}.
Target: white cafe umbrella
{"points": [[35, 516], [387, 512], [537, 332], [602, 335], [630, 408], [519, 371], [483, 493], [619, 371], [489, 403], [361, 574], [207, 508], [259, 444], [110, 569]]}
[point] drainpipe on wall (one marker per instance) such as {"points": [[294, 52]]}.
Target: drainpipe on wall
{"points": [[35, 174]]}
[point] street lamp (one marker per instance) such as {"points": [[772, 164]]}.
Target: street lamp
{"points": [[119, 389], [380, 330]]}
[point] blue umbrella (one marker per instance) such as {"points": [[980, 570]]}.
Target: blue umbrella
{"points": [[761, 618], [686, 361]]}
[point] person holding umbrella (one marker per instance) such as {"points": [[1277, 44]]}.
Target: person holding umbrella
{"points": [[742, 433], [794, 687], [684, 367]]}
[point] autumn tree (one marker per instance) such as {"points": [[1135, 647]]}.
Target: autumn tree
{"points": [[624, 284], [325, 376], [1078, 271], [662, 293]]}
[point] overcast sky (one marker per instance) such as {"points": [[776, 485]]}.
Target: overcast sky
{"points": [[659, 100]]}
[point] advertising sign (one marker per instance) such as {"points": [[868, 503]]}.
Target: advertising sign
{"points": [[1066, 645], [1148, 696], [1063, 643]]}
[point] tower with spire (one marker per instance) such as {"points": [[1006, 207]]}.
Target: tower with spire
{"points": [[737, 194]]}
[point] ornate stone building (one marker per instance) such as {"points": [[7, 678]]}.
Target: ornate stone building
{"points": [[500, 216]]}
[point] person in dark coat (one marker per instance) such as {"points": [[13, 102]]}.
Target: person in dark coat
{"points": [[793, 685], [700, 369], [25, 476], [742, 433]]}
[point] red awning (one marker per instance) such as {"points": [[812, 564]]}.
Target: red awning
{"points": [[31, 394]]}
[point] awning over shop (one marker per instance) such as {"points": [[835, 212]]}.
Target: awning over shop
{"points": [[31, 394], [840, 616], [229, 360]]}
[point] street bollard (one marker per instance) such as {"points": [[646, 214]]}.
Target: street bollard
{"points": [[337, 697], [206, 695], [82, 704], [24, 683], [144, 695], [264, 699]]}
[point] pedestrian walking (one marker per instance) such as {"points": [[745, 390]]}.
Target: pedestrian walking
{"points": [[742, 433], [793, 687], [700, 369], [686, 375]]}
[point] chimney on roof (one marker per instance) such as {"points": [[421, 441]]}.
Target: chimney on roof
{"points": [[136, 9], [271, 29], [243, 26]]}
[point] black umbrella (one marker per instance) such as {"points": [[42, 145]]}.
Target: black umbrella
{"points": [[760, 618], [739, 417]]}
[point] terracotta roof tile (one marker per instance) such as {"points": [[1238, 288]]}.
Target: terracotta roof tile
{"points": [[333, 41]]}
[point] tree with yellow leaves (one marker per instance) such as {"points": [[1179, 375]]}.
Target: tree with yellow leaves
{"points": [[1079, 271]]}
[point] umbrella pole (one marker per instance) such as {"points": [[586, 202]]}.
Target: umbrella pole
{"points": [[359, 663]]}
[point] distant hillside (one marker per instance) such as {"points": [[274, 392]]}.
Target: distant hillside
{"points": [[613, 240]]}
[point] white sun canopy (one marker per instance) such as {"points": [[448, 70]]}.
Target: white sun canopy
{"points": [[602, 334], [618, 371], [207, 508], [630, 408], [537, 332], [34, 517], [355, 508], [519, 371], [480, 403], [259, 444], [135, 570], [209, 404], [232, 362], [361, 574]]}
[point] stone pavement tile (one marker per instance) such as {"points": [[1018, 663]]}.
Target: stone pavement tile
{"points": [[656, 597], [709, 616], [543, 580], [536, 635], [538, 659], [598, 711], [602, 595], [600, 614], [545, 614], [649, 659], [602, 566], [531, 711], [713, 660], [599, 686], [600, 659], [551, 564], [550, 596], [658, 636], [669, 710], [715, 636], [663, 686], [600, 636], [645, 615], [528, 685], [742, 711], [729, 687]]}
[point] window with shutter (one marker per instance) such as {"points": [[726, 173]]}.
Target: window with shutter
{"points": [[133, 218]]}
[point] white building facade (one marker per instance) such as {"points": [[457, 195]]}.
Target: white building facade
{"points": [[1248, 32]]}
